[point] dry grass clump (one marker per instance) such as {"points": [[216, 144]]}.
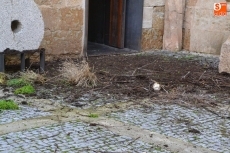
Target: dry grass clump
{"points": [[31, 76], [2, 78], [78, 74]]}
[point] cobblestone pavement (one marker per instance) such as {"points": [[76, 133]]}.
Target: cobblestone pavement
{"points": [[197, 126], [8, 116], [72, 137]]}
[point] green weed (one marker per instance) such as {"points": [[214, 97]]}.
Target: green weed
{"points": [[19, 82], [28, 89], [196, 138], [158, 148], [93, 115], [8, 105], [188, 57]]}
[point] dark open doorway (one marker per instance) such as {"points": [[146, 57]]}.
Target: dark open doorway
{"points": [[114, 26]]}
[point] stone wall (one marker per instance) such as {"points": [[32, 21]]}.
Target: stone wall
{"points": [[153, 24], [207, 32], [201, 31], [64, 21], [173, 23], [188, 16]]}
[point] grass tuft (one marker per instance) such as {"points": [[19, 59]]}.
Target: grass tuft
{"points": [[19, 82], [93, 115], [78, 74], [28, 89], [33, 77], [2, 78], [8, 105]]}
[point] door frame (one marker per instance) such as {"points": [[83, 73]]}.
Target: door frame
{"points": [[85, 26]]}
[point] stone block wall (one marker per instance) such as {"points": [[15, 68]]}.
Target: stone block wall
{"points": [[188, 16], [201, 31], [64, 26], [153, 24], [207, 32], [173, 23]]}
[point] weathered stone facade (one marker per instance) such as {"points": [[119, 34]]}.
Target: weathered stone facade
{"points": [[153, 24], [64, 21], [167, 24], [189, 25], [207, 32], [173, 23], [224, 65]]}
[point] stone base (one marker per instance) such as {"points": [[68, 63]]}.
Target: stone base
{"points": [[224, 65]]}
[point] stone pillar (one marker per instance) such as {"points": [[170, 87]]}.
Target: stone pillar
{"points": [[153, 24], [224, 65], [173, 24]]}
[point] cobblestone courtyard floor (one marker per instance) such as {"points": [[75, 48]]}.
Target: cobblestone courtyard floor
{"points": [[124, 114], [194, 125], [197, 127], [72, 137]]}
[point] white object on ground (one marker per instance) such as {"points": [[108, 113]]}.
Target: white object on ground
{"points": [[156, 86]]}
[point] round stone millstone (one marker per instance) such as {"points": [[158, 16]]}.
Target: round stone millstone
{"points": [[22, 25], [6, 37]]}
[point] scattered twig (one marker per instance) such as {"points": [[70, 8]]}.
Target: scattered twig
{"points": [[123, 81], [147, 70], [164, 89], [112, 77], [54, 78], [201, 75], [213, 112], [142, 67], [183, 77], [93, 99], [51, 136], [161, 68], [216, 83], [133, 141]]}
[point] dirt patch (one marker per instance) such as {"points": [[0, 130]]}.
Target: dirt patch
{"points": [[128, 77], [138, 71]]}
